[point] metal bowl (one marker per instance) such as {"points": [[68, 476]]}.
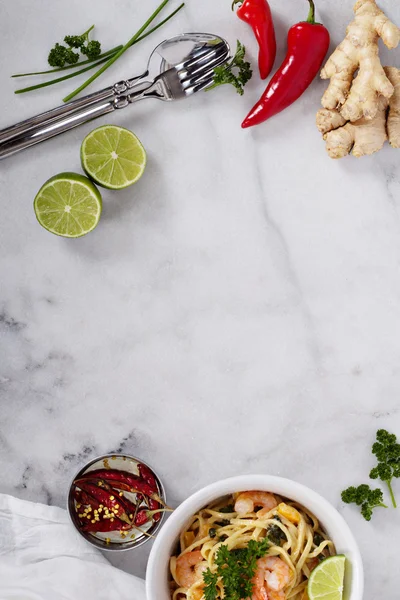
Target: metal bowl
{"points": [[135, 537]]}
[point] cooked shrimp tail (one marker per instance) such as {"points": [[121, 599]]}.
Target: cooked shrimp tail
{"points": [[189, 569], [271, 576], [246, 502]]}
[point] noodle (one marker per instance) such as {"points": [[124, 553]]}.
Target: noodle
{"points": [[301, 544]]}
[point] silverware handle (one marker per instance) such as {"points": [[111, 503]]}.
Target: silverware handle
{"points": [[50, 128], [48, 117]]}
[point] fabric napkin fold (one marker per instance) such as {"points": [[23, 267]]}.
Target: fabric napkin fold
{"points": [[42, 557]]}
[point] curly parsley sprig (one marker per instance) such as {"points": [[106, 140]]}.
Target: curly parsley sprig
{"points": [[387, 451], [365, 497], [237, 72], [235, 571], [61, 55]]}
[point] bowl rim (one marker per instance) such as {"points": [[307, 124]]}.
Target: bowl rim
{"points": [[289, 488], [90, 539]]}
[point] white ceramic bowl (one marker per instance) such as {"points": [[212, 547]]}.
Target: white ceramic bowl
{"points": [[331, 520]]}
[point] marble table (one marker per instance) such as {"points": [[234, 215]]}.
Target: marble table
{"points": [[237, 311]]}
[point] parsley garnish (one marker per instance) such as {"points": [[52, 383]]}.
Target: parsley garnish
{"points": [[387, 451], [235, 569], [236, 72], [365, 497], [210, 580]]}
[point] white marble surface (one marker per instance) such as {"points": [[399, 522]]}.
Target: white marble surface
{"points": [[237, 311]]}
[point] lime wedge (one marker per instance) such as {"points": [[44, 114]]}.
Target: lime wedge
{"points": [[326, 580], [113, 157], [68, 204]]}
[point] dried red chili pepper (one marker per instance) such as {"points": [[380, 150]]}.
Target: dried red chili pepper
{"points": [[142, 517], [257, 14], [83, 498], [149, 477], [123, 481], [154, 506], [130, 507], [138, 487], [132, 511], [105, 526], [106, 498], [78, 496], [85, 505], [308, 43]]}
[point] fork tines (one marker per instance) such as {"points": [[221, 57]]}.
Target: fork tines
{"points": [[198, 72]]}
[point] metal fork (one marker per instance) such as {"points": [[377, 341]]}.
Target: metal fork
{"points": [[189, 71]]}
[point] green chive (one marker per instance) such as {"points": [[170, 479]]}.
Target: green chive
{"points": [[118, 54]]}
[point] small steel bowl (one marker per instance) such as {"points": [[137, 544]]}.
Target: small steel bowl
{"points": [[122, 462]]}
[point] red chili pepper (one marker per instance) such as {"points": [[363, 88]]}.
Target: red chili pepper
{"points": [[257, 14], [105, 497], [105, 526], [130, 507], [153, 505], [83, 498], [78, 495], [308, 43], [142, 517], [122, 480], [148, 475]]}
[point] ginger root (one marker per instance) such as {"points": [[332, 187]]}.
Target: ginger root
{"points": [[393, 122], [359, 97], [362, 138], [365, 136], [327, 120]]}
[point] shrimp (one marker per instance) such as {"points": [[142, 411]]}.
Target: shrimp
{"points": [[247, 501], [271, 576], [189, 569]]}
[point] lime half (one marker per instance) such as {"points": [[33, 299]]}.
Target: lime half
{"points": [[326, 580], [113, 157], [68, 204]]}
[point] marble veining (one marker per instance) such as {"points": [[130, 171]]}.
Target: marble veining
{"points": [[237, 311]]}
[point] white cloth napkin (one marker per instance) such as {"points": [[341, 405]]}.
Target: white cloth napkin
{"points": [[42, 557]]}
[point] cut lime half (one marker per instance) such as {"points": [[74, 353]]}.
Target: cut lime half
{"points": [[326, 580], [69, 205], [113, 157]]}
